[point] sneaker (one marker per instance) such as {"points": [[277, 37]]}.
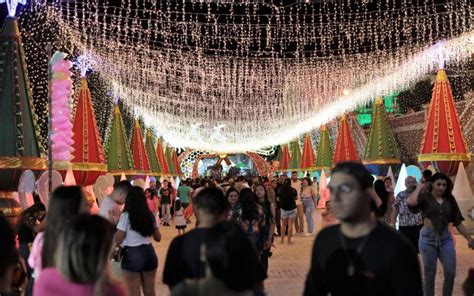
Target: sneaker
{"points": [[308, 234]]}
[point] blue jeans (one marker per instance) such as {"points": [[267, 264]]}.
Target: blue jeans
{"points": [[434, 246], [166, 213], [308, 212]]}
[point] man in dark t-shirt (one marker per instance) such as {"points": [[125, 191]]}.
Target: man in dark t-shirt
{"points": [[360, 256], [183, 260]]}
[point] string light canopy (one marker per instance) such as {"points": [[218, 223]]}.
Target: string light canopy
{"points": [[241, 75]]}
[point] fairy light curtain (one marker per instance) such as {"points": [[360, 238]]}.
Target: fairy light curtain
{"points": [[242, 75]]}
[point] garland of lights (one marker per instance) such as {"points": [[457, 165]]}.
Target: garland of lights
{"points": [[236, 77]]}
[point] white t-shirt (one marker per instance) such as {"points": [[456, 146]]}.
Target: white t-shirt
{"points": [[132, 238], [109, 204], [297, 186]]}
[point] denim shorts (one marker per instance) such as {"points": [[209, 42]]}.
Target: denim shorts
{"points": [[140, 258], [288, 214]]}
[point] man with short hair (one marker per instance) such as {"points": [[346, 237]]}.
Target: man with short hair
{"points": [[360, 256], [410, 223], [299, 221], [166, 201], [426, 175], [184, 193], [183, 260], [240, 184], [112, 205], [202, 186]]}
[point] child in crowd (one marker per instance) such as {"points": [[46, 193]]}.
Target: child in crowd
{"points": [[328, 216], [179, 220]]}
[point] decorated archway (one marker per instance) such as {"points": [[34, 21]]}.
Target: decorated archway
{"points": [[189, 162]]}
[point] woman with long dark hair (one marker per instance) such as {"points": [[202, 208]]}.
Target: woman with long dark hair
{"points": [[137, 223], [13, 273], [66, 203], [308, 197], [384, 211], [28, 225], [235, 211], [288, 196], [267, 226], [438, 208], [252, 216]]}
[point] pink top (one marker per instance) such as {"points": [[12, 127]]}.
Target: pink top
{"points": [[152, 204], [51, 283], [34, 260]]}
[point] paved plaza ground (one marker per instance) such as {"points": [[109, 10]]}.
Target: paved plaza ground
{"points": [[289, 264]]}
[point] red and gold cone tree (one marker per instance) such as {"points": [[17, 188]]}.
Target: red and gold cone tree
{"points": [[140, 158], [160, 154], [88, 158], [169, 160], [345, 149], [308, 160], [444, 145], [176, 163]]}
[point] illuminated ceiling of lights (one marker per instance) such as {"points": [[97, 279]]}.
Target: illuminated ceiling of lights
{"points": [[240, 76]]}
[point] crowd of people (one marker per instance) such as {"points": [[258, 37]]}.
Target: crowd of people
{"points": [[64, 249]]}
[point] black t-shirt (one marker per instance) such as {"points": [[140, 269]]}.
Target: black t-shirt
{"points": [[183, 258], [165, 196], [387, 265], [288, 198], [26, 234], [439, 214]]}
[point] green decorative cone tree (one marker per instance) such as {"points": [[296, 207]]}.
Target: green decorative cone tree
{"points": [[381, 151], [295, 154], [19, 146], [324, 154], [169, 160], [150, 150], [119, 157]]}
